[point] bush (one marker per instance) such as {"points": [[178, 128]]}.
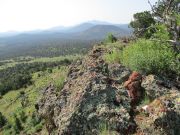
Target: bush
{"points": [[111, 38], [60, 82], [21, 122], [112, 57], [2, 120], [17, 124], [49, 70], [20, 75], [33, 124], [150, 57]]}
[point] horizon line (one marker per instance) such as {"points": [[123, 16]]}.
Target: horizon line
{"points": [[63, 26]]}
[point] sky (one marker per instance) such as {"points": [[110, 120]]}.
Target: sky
{"points": [[26, 15]]}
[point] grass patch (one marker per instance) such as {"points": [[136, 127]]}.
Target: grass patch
{"points": [[145, 100], [104, 129], [112, 57], [9, 102], [150, 57], [20, 60]]}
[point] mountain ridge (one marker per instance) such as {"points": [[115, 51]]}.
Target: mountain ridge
{"points": [[62, 29]]}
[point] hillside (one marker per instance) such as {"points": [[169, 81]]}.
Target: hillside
{"points": [[69, 29], [58, 41], [73, 33], [17, 103], [94, 100], [64, 72], [88, 97]]}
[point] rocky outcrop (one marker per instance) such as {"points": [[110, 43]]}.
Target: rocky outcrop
{"points": [[92, 96], [156, 86], [162, 115]]}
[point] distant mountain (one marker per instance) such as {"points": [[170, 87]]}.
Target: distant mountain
{"points": [[72, 29], [100, 31], [19, 44], [57, 28], [78, 28], [92, 30], [125, 27], [96, 22], [8, 34]]}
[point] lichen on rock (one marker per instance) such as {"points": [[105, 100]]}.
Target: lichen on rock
{"points": [[94, 95], [90, 97], [163, 113]]}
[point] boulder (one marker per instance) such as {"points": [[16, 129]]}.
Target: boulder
{"points": [[163, 116], [156, 86]]}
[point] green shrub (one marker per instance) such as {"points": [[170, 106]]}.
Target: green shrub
{"points": [[145, 99], [22, 116], [17, 125], [2, 120], [104, 129], [33, 124], [112, 57], [59, 83], [8, 130], [111, 38], [150, 57], [161, 32], [176, 64], [49, 70], [23, 98], [21, 122]]}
